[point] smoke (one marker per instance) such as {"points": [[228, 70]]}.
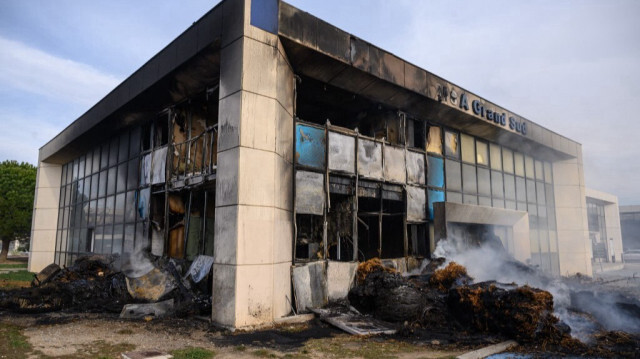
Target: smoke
{"points": [[585, 307], [135, 264]]}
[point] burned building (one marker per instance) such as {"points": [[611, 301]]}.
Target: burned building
{"points": [[281, 145]]}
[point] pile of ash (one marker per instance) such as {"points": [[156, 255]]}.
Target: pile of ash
{"points": [[445, 299]]}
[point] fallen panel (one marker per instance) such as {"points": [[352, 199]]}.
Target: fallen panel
{"points": [[360, 325], [340, 277], [309, 193], [139, 311], [146, 354], [415, 168], [342, 155], [416, 204], [370, 159], [395, 169], [310, 146], [309, 286]]}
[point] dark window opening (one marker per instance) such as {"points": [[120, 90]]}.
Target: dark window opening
{"points": [[309, 230], [340, 228]]}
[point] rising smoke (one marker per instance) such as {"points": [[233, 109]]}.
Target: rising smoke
{"points": [[586, 307]]}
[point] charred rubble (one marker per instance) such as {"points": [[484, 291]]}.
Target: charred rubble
{"points": [[444, 299], [99, 284]]}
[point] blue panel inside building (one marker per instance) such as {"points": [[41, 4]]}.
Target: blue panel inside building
{"points": [[435, 172], [310, 146]]}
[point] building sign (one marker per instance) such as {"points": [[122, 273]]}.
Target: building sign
{"points": [[491, 115]]}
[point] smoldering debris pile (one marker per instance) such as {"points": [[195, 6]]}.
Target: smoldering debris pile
{"points": [[447, 300], [97, 284]]}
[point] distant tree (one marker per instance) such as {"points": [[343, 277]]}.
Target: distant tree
{"points": [[17, 187]]}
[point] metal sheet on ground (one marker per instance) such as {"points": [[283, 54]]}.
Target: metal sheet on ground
{"points": [[360, 325], [309, 286]]}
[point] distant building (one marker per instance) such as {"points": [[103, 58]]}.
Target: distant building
{"points": [[268, 138], [604, 226], [630, 225]]}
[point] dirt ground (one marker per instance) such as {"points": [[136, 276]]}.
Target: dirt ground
{"points": [[68, 335]]}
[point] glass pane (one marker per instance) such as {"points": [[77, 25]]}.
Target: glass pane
{"points": [[100, 212], [499, 203], [433, 197], [470, 199], [104, 158], [81, 167], [547, 172], [109, 209], [111, 181], [531, 191], [117, 239], [484, 201], [113, 151], [469, 183], [528, 164], [468, 148], [74, 170], [88, 164], [541, 197], [132, 174], [497, 190], [510, 205], [548, 189], [496, 157], [454, 197], [509, 187], [521, 190], [142, 236], [539, 170], [518, 160], [96, 160], [122, 178], [102, 184], [453, 175], [94, 186], [434, 140], [129, 233], [435, 171], [482, 153], [119, 209], [451, 144], [123, 151], [484, 182], [521, 206], [79, 191], [92, 214], [130, 213], [507, 160], [134, 142], [86, 189]]}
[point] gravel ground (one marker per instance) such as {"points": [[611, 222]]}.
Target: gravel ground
{"points": [[74, 335]]}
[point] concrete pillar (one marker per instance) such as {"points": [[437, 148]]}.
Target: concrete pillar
{"points": [[45, 216], [574, 247], [253, 227]]}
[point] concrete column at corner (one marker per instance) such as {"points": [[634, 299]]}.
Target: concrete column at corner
{"points": [[45, 216], [574, 247], [253, 228]]}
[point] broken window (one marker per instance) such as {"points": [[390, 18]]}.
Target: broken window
{"points": [[451, 144], [468, 148], [434, 140]]}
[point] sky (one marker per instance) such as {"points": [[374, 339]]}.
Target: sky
{"points": [[572, 66]]}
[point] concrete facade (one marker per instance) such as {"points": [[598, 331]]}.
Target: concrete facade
{"points": [[271, 72], [613, 240]]}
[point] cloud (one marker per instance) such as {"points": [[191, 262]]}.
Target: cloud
{"points": [[34, 71]]}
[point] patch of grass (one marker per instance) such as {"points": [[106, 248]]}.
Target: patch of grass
{"points": [[20, 276], [102, 350], [193, 353], [240, 348], [263, 353], [125, 331], [354, 347], [12, 265], [13, 344]]}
